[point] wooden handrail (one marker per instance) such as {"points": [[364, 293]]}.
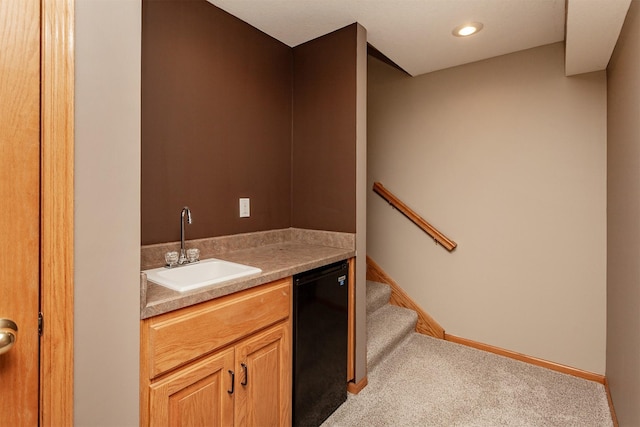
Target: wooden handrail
{"points": [[447, 243]]}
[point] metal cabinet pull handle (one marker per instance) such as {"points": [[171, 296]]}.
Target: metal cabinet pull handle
{"points": [[246, 374], [8, 334], [233, 381]]}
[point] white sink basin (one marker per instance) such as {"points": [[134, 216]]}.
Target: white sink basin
{"points": [[203, 273]]}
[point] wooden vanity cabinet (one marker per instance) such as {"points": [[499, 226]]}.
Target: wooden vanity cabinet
{"points": [[196, 395], [263, 379], [225, 362]]}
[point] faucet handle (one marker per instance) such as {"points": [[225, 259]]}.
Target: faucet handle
{"points": [[193, 254], [171, 258]]}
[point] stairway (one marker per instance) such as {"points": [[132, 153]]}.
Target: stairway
{"points": [[387, 325], [428, 381]]}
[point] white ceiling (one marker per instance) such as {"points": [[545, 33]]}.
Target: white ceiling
{"points": [[593, 27], [416, 34]]}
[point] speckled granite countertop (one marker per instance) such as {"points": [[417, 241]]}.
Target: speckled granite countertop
{"points": [[278, 253]]}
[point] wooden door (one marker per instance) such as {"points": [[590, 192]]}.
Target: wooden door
{"points": [[197, 395], [263, 364], [20, 208]]}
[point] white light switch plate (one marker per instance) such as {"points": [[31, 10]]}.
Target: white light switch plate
{"points": [[245, 208]]}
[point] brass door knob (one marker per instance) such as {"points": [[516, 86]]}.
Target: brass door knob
{"points": [[8, 334]]}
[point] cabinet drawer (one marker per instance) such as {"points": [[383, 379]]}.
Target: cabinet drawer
{"points": [[176, 338]]}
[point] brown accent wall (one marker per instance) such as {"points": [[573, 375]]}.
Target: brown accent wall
{"points": [[324, 132], [623, 226], [216, 122]]}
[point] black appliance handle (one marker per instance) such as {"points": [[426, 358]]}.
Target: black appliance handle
{"points": [[314, 275]]}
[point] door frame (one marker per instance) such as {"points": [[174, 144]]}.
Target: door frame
{"points": [[56, 211]]}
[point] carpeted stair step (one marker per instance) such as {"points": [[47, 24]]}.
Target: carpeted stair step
{"points": [[386, 327], [378, 295]]}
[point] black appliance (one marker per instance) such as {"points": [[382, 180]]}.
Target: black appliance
{"points": [[319, 343]]}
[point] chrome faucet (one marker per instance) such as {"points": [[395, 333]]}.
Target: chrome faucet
{"points": [[183, 254]]}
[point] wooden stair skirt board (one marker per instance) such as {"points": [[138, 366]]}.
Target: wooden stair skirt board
{"points": [[428, 326]]}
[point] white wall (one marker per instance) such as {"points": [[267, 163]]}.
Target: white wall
{"points": [[107, 212], [361, 208], [508, 158], [623, 269]]}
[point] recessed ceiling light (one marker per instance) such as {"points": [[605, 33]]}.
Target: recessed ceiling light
{"points": [[468, 29]]}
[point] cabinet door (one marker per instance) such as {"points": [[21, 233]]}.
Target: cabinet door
{"points": [[196, 395], [263, 364]]}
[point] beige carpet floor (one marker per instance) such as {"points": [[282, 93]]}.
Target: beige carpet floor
{"points": [[431, 382]]}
